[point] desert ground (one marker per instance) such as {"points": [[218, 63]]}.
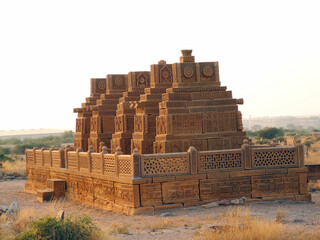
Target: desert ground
{"points": [[184, 223]]}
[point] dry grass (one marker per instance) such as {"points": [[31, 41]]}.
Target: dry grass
{"points": [[280, 215], [314, 154], [242, 226], [15, 224], [118, 229], [163, 223], [16, 167]]}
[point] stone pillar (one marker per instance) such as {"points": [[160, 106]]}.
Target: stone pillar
{"points": [[246, 154], [300, 152], [193, 158], [136, 163]]}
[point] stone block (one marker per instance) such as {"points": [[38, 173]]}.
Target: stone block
{"points": [[218, 175], [180, 191], [191, 177], [168, 206], [163, 179], [150, 194], [45, 195], [56, 184], [247, 173], [217, 189], [141, 210], [293, 171], [127, 194], [303, 197], [277, 171]]}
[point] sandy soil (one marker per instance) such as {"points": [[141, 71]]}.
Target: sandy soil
{"points": [[184, 223]]}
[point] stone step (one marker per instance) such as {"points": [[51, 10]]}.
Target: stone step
{"points": [[56, 184], [45, 195], [48, 195]]}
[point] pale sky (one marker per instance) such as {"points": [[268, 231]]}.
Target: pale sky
{"points": [[268, 52]]}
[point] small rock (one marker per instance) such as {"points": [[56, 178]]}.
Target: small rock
{"points": [[298, 220], [14, 206], [236, 202], [210, 205], [60, 215], [166, 214], [3, 209], [224, 203], [193, 208], [243, 200], [1, 174]]}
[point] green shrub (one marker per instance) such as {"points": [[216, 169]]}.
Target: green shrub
{"points": [[270, 133], [47, 228]]}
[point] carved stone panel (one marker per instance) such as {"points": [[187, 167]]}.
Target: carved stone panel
{"points": [[225, 188], [127, 194], [274, 185], [150, 194], [103, 190], [178, 192]]}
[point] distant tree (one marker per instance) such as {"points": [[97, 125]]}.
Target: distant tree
{"points": [[256, 127], [291, 126], [270, 133], [5, 150]]}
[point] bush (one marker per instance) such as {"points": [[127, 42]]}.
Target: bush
{"points": [[270, 133], [5, 157], [77, 228]]}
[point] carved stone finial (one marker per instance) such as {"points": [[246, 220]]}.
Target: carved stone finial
{"points": [[162, 62], [135, 151], [91, 148], [104, 149], [118, 149], [298, 140], [245, 141], [79, 149], [186, 56], [101, 144]]}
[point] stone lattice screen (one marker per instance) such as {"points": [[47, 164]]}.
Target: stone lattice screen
{"points": [[274, 157], [165, 164], [209, 161]]}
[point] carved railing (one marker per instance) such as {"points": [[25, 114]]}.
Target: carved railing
{"points": [[169, 164], [274, 157], [209, 161], [165, 164]]}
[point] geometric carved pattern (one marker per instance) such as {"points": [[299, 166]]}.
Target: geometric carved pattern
{"points": [[56, 158], [29, 156], [109, 164], [72, 160], [84, 161], [96, 161], [164, 164], [46, 158], [187, 123], [38, 157], [161, 125], [274, 157], [220, 160], [125, 164], [165, 75]]}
